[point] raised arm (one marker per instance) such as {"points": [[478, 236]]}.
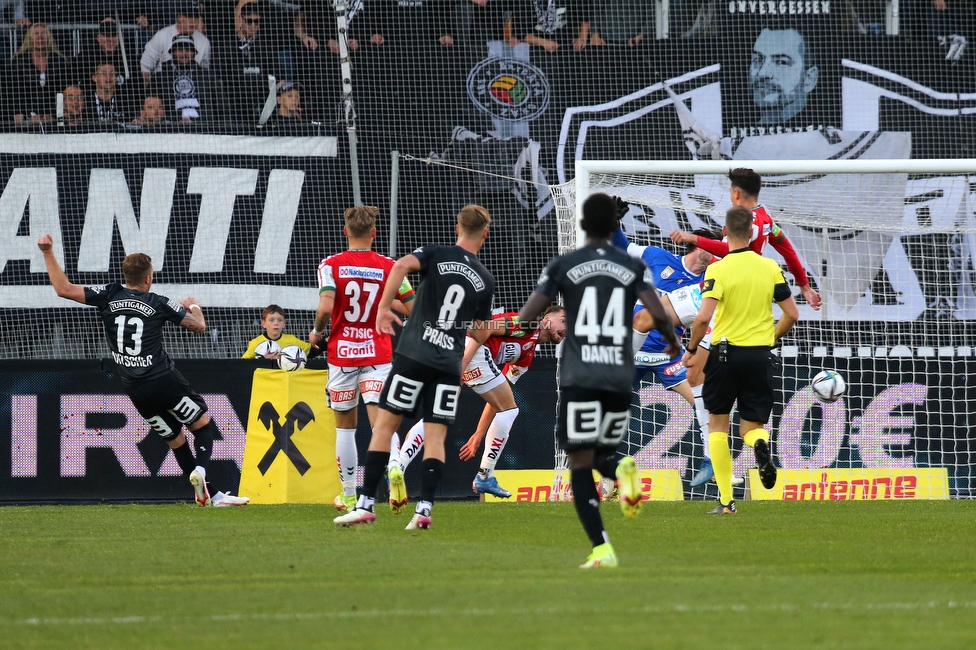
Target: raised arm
{"points": [[713, 246], [193, 320], [384, 313], [55, 273]]}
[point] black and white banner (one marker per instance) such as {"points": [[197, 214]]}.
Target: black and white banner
{"points": [[235, 221]]}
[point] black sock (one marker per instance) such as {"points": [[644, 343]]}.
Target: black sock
{"points": [[606, 463], [203, 440], [430, 477], [376, 462], [587, 503], [184, 457]]}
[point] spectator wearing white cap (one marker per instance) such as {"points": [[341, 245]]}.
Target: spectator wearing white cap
{"points": [[189, 20]]}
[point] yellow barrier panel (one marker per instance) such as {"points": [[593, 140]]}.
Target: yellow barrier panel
{"points": [[854, 484], [535, 485], [289, 456]]}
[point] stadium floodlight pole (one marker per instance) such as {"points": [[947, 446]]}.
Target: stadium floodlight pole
{"points": [[349, 109], [394, 190]]}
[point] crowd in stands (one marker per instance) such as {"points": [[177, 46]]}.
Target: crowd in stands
{"points": [[176, 63], [157, 64]]}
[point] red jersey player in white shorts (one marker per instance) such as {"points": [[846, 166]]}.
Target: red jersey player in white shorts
{"points": [[493, 369], [350, 286]]}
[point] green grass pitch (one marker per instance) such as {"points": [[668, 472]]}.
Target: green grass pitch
{"points": [[777, 575]]}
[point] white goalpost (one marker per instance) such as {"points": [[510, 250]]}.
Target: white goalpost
{"points": [[890, 245]]}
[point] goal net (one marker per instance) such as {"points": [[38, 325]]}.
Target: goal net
{"points": [[889, 245]]}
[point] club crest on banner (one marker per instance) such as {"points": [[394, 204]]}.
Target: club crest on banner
{"points": [[508, 89]]}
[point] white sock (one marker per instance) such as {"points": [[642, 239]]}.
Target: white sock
{"points": [[413, 442], [364, 502], [347, 459], [501, 426], [702, 416], [638, 340], [203, 472], [394, 449], [422, 506]]}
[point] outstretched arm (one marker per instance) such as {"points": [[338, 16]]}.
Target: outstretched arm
{"points": [[55, 273], [713, 246], [193, 320]]}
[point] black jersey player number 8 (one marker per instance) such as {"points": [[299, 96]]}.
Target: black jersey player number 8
{"points": [[453, 300], [121, 323]]}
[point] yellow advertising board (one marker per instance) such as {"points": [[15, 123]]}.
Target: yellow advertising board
{"points": [[289, 456], [854, 484], [535, 485]]}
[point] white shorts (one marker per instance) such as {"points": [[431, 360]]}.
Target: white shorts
{"points": [[482, 375], [686, 302], [347, 383]]}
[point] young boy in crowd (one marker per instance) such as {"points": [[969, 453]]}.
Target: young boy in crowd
{"points": [[273, 322]]}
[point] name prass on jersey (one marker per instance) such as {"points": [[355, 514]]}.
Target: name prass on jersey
{"points": [[438, 337]]}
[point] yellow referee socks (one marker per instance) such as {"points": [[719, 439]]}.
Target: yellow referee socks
{"points": [[755, 435], [718, 445]]}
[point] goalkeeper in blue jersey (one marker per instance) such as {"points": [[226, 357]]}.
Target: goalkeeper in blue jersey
{"points": [[679, 278]]}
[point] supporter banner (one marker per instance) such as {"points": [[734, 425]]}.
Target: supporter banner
{"points": [[899, 413], [234, 221], [68, 433], [290, 453], [853, 485], [534, 486], [780, 82]]}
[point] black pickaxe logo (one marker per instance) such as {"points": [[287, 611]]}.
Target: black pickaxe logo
{"points": [[300, 414]]}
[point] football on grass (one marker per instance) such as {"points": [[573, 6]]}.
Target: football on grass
{"points": [[828, 386], [292, 358]]}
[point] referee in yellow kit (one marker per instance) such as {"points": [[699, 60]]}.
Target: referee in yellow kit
{"points": [[739, 290]]}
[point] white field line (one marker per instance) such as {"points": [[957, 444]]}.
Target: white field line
{"points": [[484, 613]]}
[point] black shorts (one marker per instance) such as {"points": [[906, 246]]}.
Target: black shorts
{"points": [[592, 419], [411, 383], [747, 377], [167, 403]]}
